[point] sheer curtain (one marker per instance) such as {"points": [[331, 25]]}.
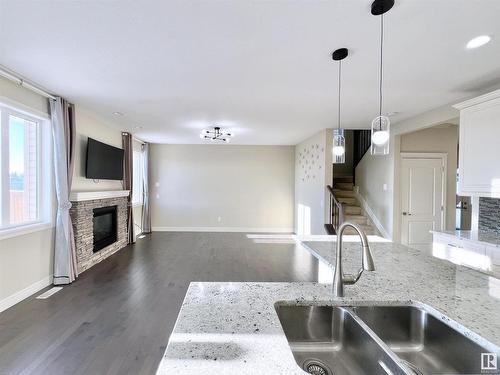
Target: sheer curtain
{"points": [[63, 135], [146, 213], [128, 178]]}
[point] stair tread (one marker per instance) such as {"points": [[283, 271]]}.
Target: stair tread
{"points": [[355, 216]]}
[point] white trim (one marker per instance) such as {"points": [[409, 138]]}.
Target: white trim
{"points": [[371, 214], [21, 230], [23, 108], [78, 196], [25, 293], [477, 100], [443, 156], [222, 229], [444, 176]]}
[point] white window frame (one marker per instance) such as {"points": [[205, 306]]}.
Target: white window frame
{"points": [[45, 195]]}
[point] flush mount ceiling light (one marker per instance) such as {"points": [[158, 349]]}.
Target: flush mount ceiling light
{"points": [[380, 127], [338, 149], [216, 135], [118, 113], [478, 41]]}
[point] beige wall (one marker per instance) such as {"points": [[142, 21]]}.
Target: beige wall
{"points": [[313, 171], [26, 98], [26, 260], [219, 187], [89, 125], [440, 139], [375, 181]]}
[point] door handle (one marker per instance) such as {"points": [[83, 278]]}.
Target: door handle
{"points": [[406, 213]]}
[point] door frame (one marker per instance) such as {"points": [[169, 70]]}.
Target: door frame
{"points": [[443, 156]]}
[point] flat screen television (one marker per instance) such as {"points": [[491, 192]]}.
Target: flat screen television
{"points": [[104, 162]]}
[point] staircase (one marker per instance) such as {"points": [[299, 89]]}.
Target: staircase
{"points": [[343, 189]]}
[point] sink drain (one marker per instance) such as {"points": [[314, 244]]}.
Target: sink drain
{"points": [[414, 369], [316, 367]]}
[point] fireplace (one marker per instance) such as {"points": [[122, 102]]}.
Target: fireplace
{"points": [[104, 227]]}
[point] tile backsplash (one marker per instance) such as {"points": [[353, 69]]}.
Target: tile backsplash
{"points": [[489, 215]]}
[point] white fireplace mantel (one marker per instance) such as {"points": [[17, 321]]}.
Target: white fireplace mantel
{"points": [[78, 196]]}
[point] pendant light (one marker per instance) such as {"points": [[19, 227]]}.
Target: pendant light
{"points": [[338, 149], [380, 128]]}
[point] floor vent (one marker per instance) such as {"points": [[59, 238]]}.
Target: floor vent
{"points": [[49, 293]]}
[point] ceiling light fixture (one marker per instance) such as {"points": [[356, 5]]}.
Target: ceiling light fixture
{"points": [[380, 128], [338, 149], [478, 41], [216, 135], [118, 113]]}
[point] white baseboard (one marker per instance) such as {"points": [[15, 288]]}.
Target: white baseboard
{"points": [[371, 214], [25, 293], [222, 229]]}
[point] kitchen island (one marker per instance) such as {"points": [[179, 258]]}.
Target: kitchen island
{"points": [[233, 328]]}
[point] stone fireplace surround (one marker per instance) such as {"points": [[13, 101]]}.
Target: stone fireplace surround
{"points": [[82, 213]]}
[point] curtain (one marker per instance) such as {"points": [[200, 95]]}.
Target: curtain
{"points": [[63, 135], [146, 212], [128, 162]]}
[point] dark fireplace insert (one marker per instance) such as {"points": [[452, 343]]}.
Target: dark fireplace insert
{"points": [[104, 227]]}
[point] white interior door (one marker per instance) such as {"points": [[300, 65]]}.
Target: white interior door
{"points": [[422, 200]]}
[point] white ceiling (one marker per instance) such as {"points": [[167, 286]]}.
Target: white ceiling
{"points": [[261, 68]]}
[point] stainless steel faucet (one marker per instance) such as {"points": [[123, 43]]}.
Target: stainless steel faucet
{"points": [[339, 279]]}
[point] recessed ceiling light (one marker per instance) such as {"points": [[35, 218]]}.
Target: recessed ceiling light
{"points": [[118, 113], [138, 127], [478, 41]]}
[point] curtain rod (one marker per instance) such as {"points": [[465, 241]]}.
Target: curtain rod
{"points": [[138, 140], [10, 75]]}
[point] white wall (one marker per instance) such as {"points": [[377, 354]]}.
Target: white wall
{"points": [[89, 125], [441, 139], [313, 171], [250, 188]]}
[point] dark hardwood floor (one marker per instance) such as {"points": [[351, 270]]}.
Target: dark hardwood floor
{"points": [[117, 317]]}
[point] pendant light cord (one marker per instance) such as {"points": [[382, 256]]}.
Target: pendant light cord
{"points": [[340, 74], [381, 69]]}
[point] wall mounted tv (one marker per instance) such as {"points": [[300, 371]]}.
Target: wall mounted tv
{"points": [[104, 162]]}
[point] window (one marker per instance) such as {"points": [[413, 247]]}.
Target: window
{"points": [[20, 169], [137, 177]]}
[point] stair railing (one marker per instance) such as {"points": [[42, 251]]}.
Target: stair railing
{"points": [[336, 217]]}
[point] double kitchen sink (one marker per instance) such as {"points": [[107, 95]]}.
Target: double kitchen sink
{"points": [[380, 339]]}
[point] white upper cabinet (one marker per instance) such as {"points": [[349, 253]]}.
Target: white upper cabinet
{"points": [[479, 155]]}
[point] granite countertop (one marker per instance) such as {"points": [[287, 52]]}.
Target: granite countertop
{"points": [[232, 328], [487, 238]]}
